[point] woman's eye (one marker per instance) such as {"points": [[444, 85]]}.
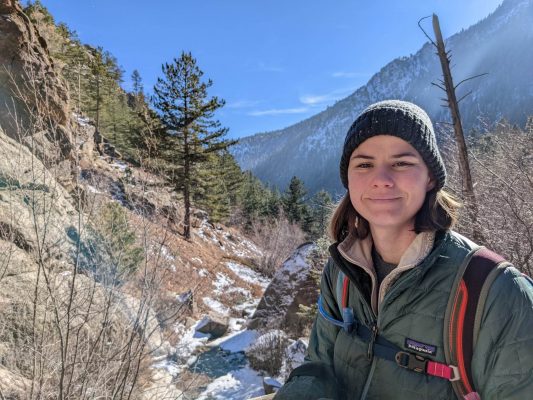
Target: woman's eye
{"points": [[402, 164], [363, 165]]}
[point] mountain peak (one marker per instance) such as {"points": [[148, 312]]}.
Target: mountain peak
{"points": [[498, 45]]}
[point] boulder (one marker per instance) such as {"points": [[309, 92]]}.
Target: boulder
{"points": [[289, 288], [213, 325], [270, 385]]}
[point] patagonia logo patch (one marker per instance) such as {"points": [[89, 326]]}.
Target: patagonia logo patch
{"points": [[420, 347]]}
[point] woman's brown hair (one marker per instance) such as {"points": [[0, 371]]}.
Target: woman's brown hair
{"points": [[438, 212]]}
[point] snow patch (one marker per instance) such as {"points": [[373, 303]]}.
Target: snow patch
{"points": [[239, 341], [203, 272], [240, 384], [216, 306], [248, 275], [221, 283]]}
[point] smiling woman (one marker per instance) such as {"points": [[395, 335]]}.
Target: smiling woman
{"points": [[410, 309], [388, 182]]}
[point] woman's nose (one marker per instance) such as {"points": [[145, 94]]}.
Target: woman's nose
{"points": [[382, 178]]}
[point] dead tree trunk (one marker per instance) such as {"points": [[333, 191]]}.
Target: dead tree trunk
{"points": [[467, 184]]}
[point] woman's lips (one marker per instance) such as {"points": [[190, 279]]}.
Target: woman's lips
{"points": [[384, 199]]}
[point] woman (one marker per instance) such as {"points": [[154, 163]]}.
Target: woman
{"points": [[378, 332]]}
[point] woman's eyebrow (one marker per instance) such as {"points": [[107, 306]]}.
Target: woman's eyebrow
{"points": [[362, 156], [406, 154], [399, 155]]}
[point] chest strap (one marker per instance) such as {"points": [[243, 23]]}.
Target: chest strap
{"points": [[382, 348]]}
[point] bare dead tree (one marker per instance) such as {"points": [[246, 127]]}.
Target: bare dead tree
{"points": [[447, 85]]}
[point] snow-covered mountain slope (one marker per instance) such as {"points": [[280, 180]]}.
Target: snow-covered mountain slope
{"points": [[499, 45]]}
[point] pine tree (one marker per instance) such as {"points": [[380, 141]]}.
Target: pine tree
{"points": [[294, 201], [118, 242], [251, 198], [273, 203], [138, 91], [191, 131], [321, 205]]}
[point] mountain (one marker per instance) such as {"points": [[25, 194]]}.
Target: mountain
{"points": [[499, 45]]}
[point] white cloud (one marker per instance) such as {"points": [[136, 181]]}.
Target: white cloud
{"points": [[345, 74], [317, 99], [278, 111], [312, 100], [242, 104], [269, 67]]}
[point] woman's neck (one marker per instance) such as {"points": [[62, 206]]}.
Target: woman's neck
{"points": [[391, 244]]}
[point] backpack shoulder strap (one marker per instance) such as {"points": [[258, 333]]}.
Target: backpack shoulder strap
{"points": [[339, 284], [464, 312]]}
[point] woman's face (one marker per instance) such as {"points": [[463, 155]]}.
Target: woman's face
{"points": [[388, 181]]}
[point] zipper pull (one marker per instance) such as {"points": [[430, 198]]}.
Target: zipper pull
{"points": [[370, 352]]}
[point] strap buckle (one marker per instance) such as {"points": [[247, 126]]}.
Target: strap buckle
{"points": [[412, 362], [455, 376]]}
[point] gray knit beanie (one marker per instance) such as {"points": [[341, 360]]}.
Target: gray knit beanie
{"points": [[395, 118]]}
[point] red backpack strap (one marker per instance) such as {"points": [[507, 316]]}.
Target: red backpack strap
{"points": [[464, 312]]}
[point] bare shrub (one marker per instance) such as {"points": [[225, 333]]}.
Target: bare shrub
{"points": [[77, 319], [268, 352], [277, 238], [502, 170]]}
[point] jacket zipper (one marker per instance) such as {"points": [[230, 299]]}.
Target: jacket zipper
{"points": [[374, 323]]}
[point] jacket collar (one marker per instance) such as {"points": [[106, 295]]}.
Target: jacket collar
{"points": [[359, 252]]}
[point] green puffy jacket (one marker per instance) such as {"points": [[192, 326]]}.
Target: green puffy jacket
{"points": [[410, 304]]}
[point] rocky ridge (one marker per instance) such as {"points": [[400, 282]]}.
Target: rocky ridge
{"points": [[498, 45]]}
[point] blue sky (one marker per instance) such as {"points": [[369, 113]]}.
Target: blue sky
{"points": [[275, 62]]}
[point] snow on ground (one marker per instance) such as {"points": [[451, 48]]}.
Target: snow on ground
{"points": [[221, 283], [247, 274], [203, 272], [82, 121], [240, 384], [248, 307], [189, 342], [216, 306], [119, 165], [249, 247], [165, 252], [237, 382], [238, 341], [92, 189], [236, 324]]}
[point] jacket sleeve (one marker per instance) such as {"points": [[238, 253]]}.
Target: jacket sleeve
{"points": [[323, 335], [502, 364]]}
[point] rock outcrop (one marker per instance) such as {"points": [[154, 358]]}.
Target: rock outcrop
{"points": [[289, 288], [34, 98], [30, 86]]}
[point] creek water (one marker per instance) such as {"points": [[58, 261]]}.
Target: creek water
{"points": [[217, 362]]}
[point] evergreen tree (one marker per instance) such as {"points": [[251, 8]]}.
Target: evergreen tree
{"points": [[293, 201], [273, 203], [251, 198], [321, 206], [219, 182], [191, 132], [118, 241], [138, 91], [137, 82]]}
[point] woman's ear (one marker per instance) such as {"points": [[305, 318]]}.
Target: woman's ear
{"points": [[431, 183]]}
